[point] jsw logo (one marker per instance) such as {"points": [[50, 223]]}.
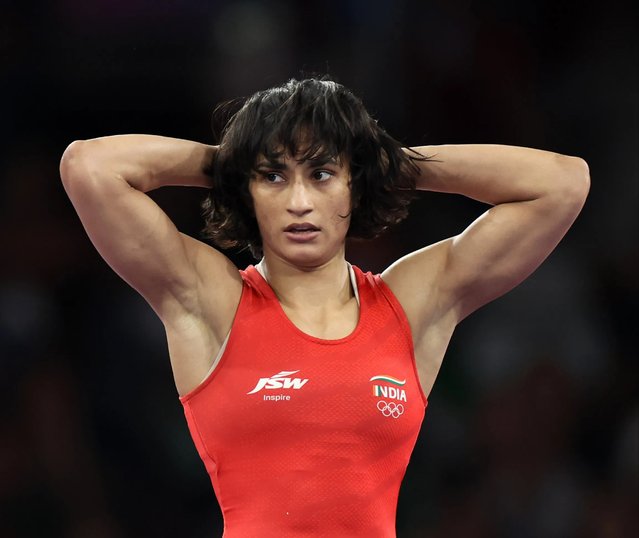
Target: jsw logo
{"points": [[279, 381]]}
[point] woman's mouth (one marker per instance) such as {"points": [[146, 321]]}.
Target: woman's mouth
{"points": [[301, 232]]}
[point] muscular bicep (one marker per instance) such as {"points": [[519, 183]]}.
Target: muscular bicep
{"points": [[445, 282], [503, 247], [140, 243]]}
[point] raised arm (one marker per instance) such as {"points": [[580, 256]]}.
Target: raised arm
{"points": [[193, 288], [536, 196]]}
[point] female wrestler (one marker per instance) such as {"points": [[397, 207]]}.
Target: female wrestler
{"points": [[304, 380]]}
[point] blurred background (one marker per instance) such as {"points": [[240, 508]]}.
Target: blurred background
{"points": [[532, 428]]}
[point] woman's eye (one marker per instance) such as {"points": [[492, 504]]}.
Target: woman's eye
{"points": [[272, 177], [321, 175]]}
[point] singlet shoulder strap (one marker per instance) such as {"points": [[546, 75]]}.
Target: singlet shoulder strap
{"points": [[253, 277], [376, 289]]}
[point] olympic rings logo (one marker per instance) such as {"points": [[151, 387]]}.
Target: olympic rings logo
{"points": [[390, 409]]}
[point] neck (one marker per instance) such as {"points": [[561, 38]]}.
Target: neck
{"points": [[295, 286]]}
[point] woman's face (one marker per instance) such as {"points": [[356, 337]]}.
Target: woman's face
{"points": [[302, 208]]}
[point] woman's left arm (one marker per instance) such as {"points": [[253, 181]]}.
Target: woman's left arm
{"points": [[535, 196]]}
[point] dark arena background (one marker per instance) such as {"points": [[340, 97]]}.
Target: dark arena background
{"points": [[532, 428]]}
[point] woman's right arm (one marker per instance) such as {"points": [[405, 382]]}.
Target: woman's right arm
{"points": [[190, 285]]}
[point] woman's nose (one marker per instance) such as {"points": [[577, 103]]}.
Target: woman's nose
{"points": [[300, 200]]}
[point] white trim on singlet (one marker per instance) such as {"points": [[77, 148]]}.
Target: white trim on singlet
{"points": [[351, 273]]}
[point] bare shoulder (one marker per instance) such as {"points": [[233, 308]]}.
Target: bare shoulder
{"points": [[196, 326], [418, 281], [216, 290]]}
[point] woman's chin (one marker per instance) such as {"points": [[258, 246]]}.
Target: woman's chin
{"points": [[306, 256]]}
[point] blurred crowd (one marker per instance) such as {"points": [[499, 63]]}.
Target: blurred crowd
{"points": [[532, 429]]}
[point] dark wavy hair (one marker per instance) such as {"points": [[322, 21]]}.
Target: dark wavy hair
{"points": [[314, 118]]}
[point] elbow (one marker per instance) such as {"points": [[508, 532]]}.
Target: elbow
{"points": [[574, 179], [580, 176], [73, 163]]}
